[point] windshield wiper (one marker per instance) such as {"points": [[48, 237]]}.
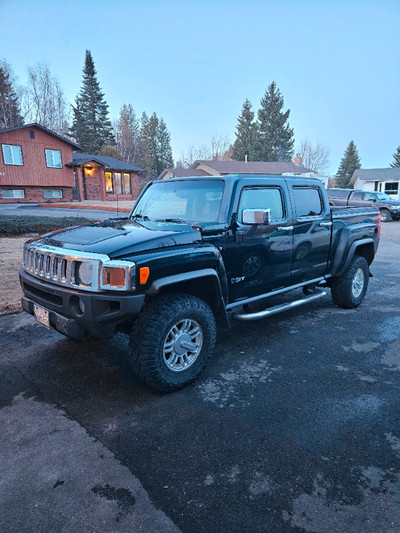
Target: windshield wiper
{"points": [[176, 220], [142, 217]]}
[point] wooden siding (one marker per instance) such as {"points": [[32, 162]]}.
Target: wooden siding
{"points": [[34, 171]]}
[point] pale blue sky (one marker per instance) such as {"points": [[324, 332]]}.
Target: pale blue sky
{"points": [[337, 63]]}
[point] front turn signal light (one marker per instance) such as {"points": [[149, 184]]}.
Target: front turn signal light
{"points": [[144, 274], [114, 277]]}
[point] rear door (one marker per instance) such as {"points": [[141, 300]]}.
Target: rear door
{"points": [[259, 256], [312, 232]]}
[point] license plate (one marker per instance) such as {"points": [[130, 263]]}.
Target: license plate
{"points": [[42, 316]]}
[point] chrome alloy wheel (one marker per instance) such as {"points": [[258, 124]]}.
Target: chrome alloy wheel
{"points": [[357, 285], [182, 345]]}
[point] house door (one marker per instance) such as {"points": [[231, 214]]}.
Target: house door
{"points": [[75, 193]]}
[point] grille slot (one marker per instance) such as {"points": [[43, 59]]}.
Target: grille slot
{"points": [[43, 295]]}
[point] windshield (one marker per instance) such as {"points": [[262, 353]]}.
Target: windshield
{"points": [[383, 196], [189, 201]]}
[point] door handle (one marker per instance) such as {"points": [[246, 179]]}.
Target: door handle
{"points": [[284, 228], [325, 224]]}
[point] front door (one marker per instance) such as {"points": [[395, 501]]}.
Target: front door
{"points": [[259, 257]]}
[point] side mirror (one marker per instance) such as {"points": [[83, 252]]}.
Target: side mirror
{"points": [[256, 216]]}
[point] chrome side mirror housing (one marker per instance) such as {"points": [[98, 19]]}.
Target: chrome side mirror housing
{"points": [[256, 216]]}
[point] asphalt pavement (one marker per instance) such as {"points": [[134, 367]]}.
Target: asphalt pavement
{"points": [[293, 426]]}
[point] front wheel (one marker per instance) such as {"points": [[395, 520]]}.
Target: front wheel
{"points": [[172, 340], [385, 215], [348, 290]]}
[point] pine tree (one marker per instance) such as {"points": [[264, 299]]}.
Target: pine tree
{"points": [[10, 114], [245, 134], [91, 126], [164, 150], [275, 136], [348, 164], [396, 158]]}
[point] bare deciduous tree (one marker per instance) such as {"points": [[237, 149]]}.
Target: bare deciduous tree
{"points": [[44, 100], [217, 148], [314, 157]]}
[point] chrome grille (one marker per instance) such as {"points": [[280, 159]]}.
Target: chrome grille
{"points": [[58, 266]]}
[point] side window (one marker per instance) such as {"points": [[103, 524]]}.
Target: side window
{"points": [[356, 195], [262, 198], [308, 201], [369, 196]]}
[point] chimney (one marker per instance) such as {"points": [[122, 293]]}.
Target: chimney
{"points": [[245, 158], [298, 160]]}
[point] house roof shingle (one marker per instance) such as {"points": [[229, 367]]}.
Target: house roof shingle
{"points": [[253, 167], [79, 159], [46, 130], [376, 174]]}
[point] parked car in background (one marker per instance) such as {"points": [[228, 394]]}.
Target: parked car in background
{"points": [[389, 208]]}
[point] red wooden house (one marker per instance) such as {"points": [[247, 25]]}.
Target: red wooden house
{"points": [[37, 165]]}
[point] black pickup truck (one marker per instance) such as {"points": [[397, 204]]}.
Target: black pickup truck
{"points": [[389, 207], [195, 252]]}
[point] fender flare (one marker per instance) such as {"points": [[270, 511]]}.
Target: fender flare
{"points": [[350, 254], [175, 279]]}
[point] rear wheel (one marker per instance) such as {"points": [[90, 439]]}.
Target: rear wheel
{"points": [[385, 215], [172, 340], [348, 290]]}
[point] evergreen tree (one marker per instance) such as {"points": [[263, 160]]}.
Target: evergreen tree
{"points": [[275, 137], [245, 134], [10, 114], [164, 150], [348, 164], [91, 126], [396, 158]]}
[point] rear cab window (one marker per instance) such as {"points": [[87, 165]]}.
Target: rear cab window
{"points": [[308, 201]]}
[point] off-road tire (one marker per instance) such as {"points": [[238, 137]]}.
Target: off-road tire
{"points": [[346, 289], [150, 332], [385, 215]]}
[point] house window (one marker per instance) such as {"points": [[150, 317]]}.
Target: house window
{"points": [[31, 134], [392, 187], [12, 193], [53, 158], [12, 154], [118, 184], [127, 183], [109, 183], [52, 193]]}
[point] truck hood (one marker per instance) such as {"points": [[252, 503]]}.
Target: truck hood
{"points": [[117, 238], [389, 202]]}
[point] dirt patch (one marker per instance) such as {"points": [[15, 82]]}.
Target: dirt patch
{"points": [[10, 262]]}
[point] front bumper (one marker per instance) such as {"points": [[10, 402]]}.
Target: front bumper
{"points": [[78, 314]]}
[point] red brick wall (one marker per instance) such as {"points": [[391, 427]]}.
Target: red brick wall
{"points": [[93, 184], [35, 195]]}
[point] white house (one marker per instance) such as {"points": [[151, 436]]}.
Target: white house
{"points": [[377, 179]]}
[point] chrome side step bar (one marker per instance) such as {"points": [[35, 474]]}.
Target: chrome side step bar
{"points": [[279, 308]]}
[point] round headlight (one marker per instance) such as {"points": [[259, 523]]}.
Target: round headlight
{"points": [[84, 274]]}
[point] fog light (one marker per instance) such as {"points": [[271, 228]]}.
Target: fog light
{"points": [[81, 306]]}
